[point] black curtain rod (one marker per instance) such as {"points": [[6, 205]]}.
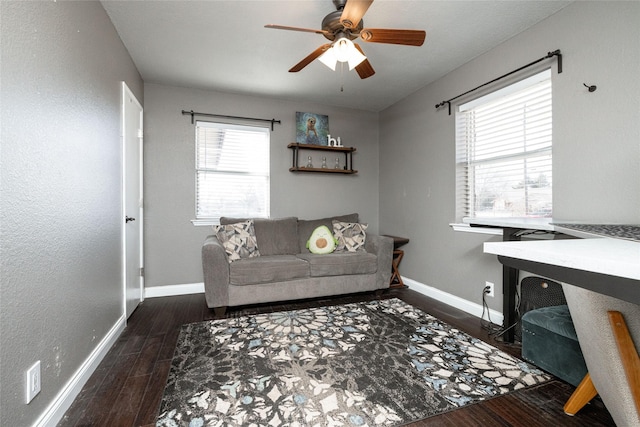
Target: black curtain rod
{"points": [[193, 113], [549, 55]]}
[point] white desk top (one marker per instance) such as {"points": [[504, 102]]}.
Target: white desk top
{"points": [[614, 257], [580, 229], [525, 223]]}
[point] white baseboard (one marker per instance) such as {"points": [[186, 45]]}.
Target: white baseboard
{"points": [[62, 402], [452, 300], [171, 290]]}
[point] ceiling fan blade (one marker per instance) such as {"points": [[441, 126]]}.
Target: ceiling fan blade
{"points": [[364, 69], [404, 37], [304, 30], [353, 12], [310, 58]]}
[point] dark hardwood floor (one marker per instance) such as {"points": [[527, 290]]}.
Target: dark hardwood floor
{"points": [[127, 387]]}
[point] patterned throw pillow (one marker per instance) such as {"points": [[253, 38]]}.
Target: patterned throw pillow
{"points": [[238, 240], [350, 235]]}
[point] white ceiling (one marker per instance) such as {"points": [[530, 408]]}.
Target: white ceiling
{"points": [[223, 45]]}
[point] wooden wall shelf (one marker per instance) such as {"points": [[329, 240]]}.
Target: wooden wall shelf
{"points": [[348, 158], [322, 170]]}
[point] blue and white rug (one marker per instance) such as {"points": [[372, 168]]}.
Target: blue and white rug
{"points": [[378, 363]]}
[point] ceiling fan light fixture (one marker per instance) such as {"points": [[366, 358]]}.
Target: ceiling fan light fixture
{"points": [[329, 58], [356, 58], [342, 50]]}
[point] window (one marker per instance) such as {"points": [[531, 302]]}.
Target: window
{"points": [[503, 152], [232, 171]]}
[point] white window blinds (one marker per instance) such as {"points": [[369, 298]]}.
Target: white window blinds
{"points": [[232, 171], [503, 152]]}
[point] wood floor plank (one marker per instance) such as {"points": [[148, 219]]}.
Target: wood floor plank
{"points": [[160, 325], [97, 409], [124, 411], [169, 345], [153, 395], [134, 344], [468, 416], [512, 409], [147, 357], [134, 372]]}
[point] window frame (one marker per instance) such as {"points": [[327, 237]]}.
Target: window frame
{"points": [[466, 199], [201, 220]]}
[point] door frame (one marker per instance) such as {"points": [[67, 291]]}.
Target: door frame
{"points": [[127, 94]]}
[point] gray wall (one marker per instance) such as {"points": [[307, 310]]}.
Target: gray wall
{"points": [[62, 64], [172, 243], [596, 143]]}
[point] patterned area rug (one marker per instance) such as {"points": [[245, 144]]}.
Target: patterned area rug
{"points": [[371, 363]]}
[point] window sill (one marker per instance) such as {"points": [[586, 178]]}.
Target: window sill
{"points": [[466, 228], [204, 222]]}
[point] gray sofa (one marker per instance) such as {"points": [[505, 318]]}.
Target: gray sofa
{"points": [[286, 270]]}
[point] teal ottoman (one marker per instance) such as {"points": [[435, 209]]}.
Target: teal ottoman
{"points": [[549, 341]]}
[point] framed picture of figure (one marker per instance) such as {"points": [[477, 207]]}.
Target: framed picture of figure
{"points": [[312, 128]]}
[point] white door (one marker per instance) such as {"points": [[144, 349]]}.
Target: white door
{"points": [[132, 200]]}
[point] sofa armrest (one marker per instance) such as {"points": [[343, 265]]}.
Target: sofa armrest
{"points": [[382, 247], [215, 265]]}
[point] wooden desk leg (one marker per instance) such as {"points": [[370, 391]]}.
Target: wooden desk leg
{"points": [[628, 354], [630, 361], [396, 279], [581, 396]]}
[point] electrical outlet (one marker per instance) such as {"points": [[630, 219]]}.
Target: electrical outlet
{"points": [[33, 381], [490, 286]]}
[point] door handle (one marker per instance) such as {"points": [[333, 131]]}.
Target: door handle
{"points": [[128, 218]]}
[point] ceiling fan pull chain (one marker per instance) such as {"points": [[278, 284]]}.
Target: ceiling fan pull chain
{"points": [[342, 77]]}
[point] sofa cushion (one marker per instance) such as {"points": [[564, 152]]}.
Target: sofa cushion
{"points": [[266, 269], [274, 236], [351, 236], [340, 264], [238, 240], [306, 227]]}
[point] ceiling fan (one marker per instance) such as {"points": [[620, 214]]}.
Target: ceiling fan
{"points": [[345, 25]]}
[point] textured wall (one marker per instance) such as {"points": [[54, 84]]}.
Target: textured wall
{"points": [[596, 143], [62, 64], [172, 243]]}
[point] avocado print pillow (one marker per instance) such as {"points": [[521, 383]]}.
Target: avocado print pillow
{"points": [[321, 241], [351, 236]]}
